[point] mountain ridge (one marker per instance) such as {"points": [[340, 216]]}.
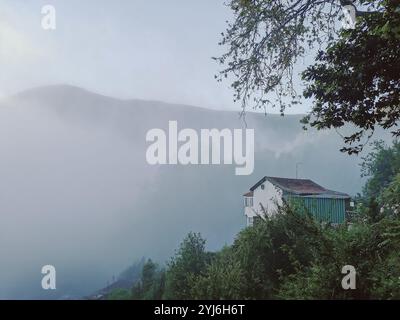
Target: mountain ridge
{"points": [[65, 90]]}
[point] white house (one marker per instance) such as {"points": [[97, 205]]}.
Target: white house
{"points": [[323, 204]]}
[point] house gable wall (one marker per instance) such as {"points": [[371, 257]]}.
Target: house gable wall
{"points": [[267, 198]]}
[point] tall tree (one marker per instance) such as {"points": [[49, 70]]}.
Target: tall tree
{"points": [[268, 37], [380, 166], [189, 261], [357, 79]]}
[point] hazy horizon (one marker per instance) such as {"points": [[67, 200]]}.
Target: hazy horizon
{"points": [[65, 85]]}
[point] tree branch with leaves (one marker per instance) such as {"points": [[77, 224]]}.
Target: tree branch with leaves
{"points": [[267, 38]]}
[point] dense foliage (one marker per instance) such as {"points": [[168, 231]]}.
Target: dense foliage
{"points": [[357, 78]]}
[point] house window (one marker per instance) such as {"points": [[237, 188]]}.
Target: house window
{"points": [[250, 221], [248, 201]]}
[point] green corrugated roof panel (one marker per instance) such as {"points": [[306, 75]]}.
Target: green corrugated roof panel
{"points": [[322, 209]]}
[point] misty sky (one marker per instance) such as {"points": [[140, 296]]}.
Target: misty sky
{"points": [[154, 49]]}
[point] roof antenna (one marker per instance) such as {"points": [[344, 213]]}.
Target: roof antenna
{"points": [[297, 169]]}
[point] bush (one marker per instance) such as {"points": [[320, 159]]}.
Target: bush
{"points": [[119, 294]]}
